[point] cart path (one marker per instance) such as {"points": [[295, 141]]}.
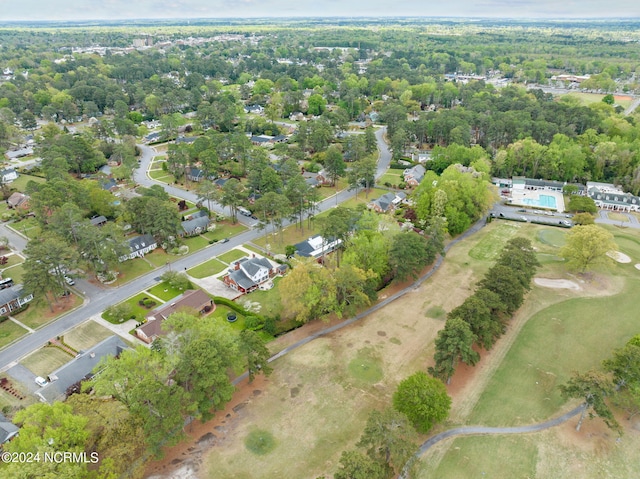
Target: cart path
{"points": [[482, 430]]}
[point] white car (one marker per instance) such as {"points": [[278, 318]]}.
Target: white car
{"points": [[40, 381]]}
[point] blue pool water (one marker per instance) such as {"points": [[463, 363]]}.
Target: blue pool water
{"points": [[543, 201]]}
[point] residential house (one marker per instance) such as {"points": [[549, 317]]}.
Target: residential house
{"points": [[316, 246], [191, 299], [151, 137], [18, 200], [323, 178], [98, 221], [413, 176], [8, 175], [8, 430], [195, 174], [249, 273], [220, 182], [13, 298], [387, 202], [109, 184], [186, 139], [260, 140], [256, 109], [139, 246], [79, 368], [195, 226]]}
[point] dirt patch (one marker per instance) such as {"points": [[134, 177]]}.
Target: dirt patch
{"points": [[619, 257], [557, 283]]}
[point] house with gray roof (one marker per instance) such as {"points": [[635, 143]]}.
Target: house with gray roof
{"points": [[610, 197], [8, 175], [13, 298], [387, 202], [316, 246], [413, 176], [98, 220], [195, 174], [79, 368], [139, 246], [247, 274], [195, 226], [8, 430]]}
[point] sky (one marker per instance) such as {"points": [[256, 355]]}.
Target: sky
{"points": [[172, 9]]}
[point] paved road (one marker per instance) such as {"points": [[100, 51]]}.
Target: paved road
{"points": [[97, 300], [475, 430]]}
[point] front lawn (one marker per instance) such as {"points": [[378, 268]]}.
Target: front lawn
{"points": [[393, 177], [208, 268], [39, 313], [28, 227], [12, 260], [131, 269], [138, 312], [9, 332], [290, 236], [46, 360], [164, 291], [86, 335], [158, 257], [231, 256]]}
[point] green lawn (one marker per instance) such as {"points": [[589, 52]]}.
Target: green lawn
{"points": [[490, 246], [137, 310], [220, 315], [364, 197], [10, 331], [225, 229], [86, 335], [164, 291], [232, 255], [290, 236], [270, 303], [20, 183], [208, 268], [15, 272], [12, 260], [589, 98], [196, 243], [327, 191], [553, 237], [393, 177], [131, 269], [618, 217], [160, 175], [46, 360], [28, 227], [158, 257], [39, 312]]}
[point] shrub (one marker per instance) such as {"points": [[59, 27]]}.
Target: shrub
{"points": [[149, 303], [254, 323], [423, 399]]}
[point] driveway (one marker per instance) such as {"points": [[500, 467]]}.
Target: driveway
{"points": [[24, 376]]}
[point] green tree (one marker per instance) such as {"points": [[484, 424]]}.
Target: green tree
{"points": [[256, 354], [233, 195], [208, 191], [586, 246], [389, 440], [424, 400], [583, 219], [48, 429], [176, 280], [409, 254], [308, 292], [582, 204], [594, 388], [507, 284], [334, 164], [482, 322], [355, 465], [453, 344]]}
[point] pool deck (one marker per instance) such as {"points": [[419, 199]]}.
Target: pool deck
{"points": [[531, 199]]}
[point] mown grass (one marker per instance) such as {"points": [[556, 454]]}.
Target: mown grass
{"points": [[232, 255], [490, 246], [139, 312], [552, 237], [86, 335], [39, 312], [208, 268], [131, 269], [164, 291], [9, 332], [46, 360], [366, 366]]}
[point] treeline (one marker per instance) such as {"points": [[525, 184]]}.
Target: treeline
{"points": [[139, 402], [483, 317]]}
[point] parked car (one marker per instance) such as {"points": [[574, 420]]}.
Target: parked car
{"points": [[69, 281], [40, 381], [226, 240]]}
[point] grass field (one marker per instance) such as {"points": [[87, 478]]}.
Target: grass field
{"points": [[574, 334], [232, 255], [393, 177], [208, 268], [137, 310], [46, 360], [86, 335], [316, 402], [270, 303], [490, 246], [9, 332], [164, 291], [20, 183], [290, 235], [618, 217], [589, 98], [131, 269]]}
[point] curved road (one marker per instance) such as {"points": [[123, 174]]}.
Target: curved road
{"points": [[97, 300]]}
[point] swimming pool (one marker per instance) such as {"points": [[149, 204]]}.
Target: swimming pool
{"points": [[543, 201]]}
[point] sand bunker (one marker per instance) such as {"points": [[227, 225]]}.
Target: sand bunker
{"points": [[619, 257], [556, 283], [637, 265]]}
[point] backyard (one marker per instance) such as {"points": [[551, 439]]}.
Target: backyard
{"points": [[398, 340]]}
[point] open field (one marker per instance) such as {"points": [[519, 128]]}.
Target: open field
{"points": [[575, 333], [131, 269], [589, 98], [86, 335], [232, 255], [324, 375], [46, 360]]}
